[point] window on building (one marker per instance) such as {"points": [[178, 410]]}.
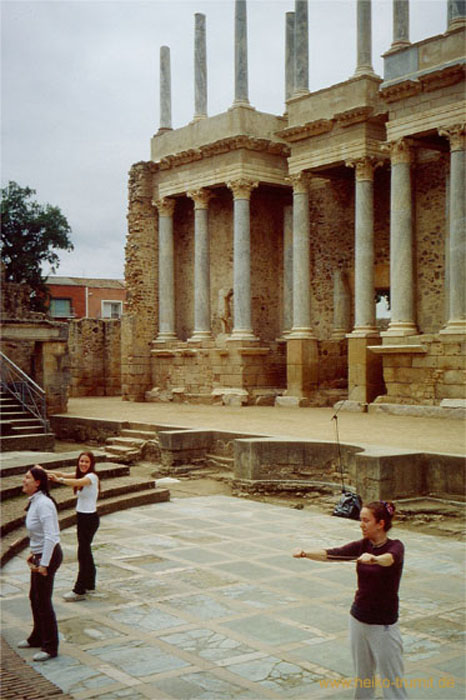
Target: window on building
{"points": [[112, 309], [61, 308]]}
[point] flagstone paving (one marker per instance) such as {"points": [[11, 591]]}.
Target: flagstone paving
{"points": [[199, 598]]}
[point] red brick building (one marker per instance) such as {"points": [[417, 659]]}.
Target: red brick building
{"points": [[80, 297]]}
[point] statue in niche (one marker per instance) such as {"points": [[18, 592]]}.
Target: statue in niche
{"points": [[225, 300]]}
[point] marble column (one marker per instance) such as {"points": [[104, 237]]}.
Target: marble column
{"points": [[287, 270], [202, 328], [364, 38], [400, 24], [200, 68], [401, 242], [166, 270], [289, 55], [341, 305], [301, 48], [364, 290], [242, 323], [165, 90], [241, 53], [302, 327], [456, 13], [446, 314], [457, 224]]}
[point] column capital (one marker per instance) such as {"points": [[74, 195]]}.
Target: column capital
{"points": [[165, 206], [242, 188], [400, 151], [364, 167], [456, 135], [300, 182], [200, 198]]}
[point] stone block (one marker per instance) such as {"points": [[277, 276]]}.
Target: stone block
{"points": [[291, 401], [454, 377]]}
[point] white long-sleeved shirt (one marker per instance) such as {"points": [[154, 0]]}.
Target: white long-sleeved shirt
{"points": [[42, 525]]}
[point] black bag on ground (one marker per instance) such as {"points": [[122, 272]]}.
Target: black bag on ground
{"points": [[349, 506]]}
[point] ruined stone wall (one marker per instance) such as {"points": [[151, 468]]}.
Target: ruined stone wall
{"points": [[430, 224], [426, 377], [139, 323], [331, 216], [95, 356]]}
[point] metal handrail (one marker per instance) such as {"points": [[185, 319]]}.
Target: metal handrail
{"points": [[24, 389]]}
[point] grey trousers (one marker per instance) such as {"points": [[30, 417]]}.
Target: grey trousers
{"points": [[377, 647]]}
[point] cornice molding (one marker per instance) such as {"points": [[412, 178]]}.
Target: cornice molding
{"points": [[304, 131]]}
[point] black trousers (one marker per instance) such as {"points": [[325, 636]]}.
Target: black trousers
{"points": [[45, 630], [88, 524]]}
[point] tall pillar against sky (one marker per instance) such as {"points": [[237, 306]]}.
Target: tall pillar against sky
{"points": [[242, 320], [400, 24], [165, 90], [165, 209], [364, 290], [364, 38], [202, 329], [200, 67], [457, 243], [241, 53], [402, 293], [301, 48], [289, 55]]}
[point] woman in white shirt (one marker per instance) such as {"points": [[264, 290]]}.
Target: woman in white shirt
{"points": [[85, 483], [45, 558]]}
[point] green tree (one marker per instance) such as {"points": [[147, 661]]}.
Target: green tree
{"points": [[31, 235]]}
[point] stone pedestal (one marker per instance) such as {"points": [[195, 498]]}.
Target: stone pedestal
{"points": [[365, 370], [301, 366]]}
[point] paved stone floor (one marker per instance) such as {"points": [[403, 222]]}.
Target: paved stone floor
{"points": [[199, 598]]}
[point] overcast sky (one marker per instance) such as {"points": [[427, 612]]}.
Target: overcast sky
{"points": [[80, 91]]}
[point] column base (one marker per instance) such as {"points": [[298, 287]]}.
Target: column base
{"points": [[363, 332], [363, 71], [339, 334], [400, 328], [199, 336], [454, 327], [165, 337], [242, 334], [301, 333]]}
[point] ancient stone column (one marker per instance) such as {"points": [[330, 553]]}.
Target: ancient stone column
{"points": [[446, 305], [241, 54], [287, 269], [341, 305], [201, 265], [242, 324], [364, 291], [401, 242], [400, 24], [289, 55], [301, 48], [456, 12], [364, 38], [200, 68], [166, 270], [165, 90], [302, 327], [457, 253]]}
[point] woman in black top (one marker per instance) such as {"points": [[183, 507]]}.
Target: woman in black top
{"points": [[374, 635]]}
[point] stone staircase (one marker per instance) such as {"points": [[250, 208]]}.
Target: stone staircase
{"points": [[130, 444], [118, 491], [19, 429]]}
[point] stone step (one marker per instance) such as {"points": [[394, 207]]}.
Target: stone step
{"points": [[17, 540], [11, 486], [11, 463], [13, 414], [219, 461], [13, 508], [125, 442], [34, 441], [119, 451], [139, 434], [26, 429], [21, 421]]}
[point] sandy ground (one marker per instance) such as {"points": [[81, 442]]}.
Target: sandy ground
{"points": [[413, 433]]}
